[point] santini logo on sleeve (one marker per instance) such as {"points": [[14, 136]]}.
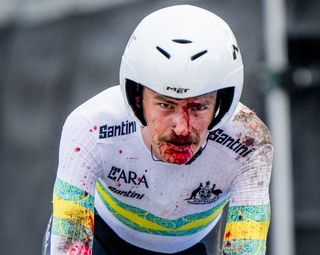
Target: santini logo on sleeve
{"points": [[125, 128]]}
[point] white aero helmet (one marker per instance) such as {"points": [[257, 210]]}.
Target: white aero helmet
{"points": [[183, 51]]}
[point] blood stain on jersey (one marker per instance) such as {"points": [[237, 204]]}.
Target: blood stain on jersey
{"points": [[79, 248], [228, 234], [248, 141], [94, 128], [77, 149]]}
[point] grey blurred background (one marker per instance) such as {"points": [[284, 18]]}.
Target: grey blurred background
{"points": [[56, 54]]}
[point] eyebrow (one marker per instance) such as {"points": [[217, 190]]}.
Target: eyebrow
{"points": [[204, 102], [165, 99]]}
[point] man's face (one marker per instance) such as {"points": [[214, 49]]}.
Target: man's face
{"points": [[176, 129]]}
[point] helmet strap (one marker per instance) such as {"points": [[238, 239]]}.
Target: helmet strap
{"points": [[223, 104], [134, 94]]}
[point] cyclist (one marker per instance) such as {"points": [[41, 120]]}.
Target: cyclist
{"points": [[147, 167]]}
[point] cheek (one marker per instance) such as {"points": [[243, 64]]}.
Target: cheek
{"points": [[201, 122], [158, 125], [152, 115]]}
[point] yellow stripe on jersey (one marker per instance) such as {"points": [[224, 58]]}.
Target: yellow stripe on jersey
{"points": [[204, 221], [127, 214], [146, 222], [246, 230], [71, 211]]}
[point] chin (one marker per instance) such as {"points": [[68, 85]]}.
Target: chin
{"points": [[178, 158]]}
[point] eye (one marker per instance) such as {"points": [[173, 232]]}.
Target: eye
{"points": [[199, 107], [165, 106]]}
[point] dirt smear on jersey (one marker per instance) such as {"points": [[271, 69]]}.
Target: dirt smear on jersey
{"points": [[253, 131]]}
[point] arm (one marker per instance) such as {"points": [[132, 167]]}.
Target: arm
{"points": [[73, 195], [246, 230], [249, 211]]}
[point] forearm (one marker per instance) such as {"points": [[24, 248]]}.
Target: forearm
{"points": [[246, 230], [73, 220]]}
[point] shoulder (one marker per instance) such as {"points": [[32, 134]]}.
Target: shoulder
{"points": [[244, 133], [109, 102], [105, 115], [249, 127]]}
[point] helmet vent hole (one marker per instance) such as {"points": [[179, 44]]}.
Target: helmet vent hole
{"points": [[163, 52], [198, 55], [182, 41]]}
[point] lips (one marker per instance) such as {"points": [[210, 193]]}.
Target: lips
{"points": [[179, 147], [176, 153]]}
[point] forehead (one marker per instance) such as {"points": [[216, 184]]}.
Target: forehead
{"points": [[150, 94]]}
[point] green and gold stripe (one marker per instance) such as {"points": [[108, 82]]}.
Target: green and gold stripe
{"points": [[246, 230], [73, 213], [248, 222], [72, 193], [144, 221]]}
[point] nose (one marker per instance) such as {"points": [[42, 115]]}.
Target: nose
{"points": [[181, 123]]}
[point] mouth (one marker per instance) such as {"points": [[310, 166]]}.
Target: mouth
{"points": [[179, 146], [176, 151]]}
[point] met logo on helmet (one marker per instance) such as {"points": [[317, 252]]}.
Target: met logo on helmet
{"points": [[177, 90]]}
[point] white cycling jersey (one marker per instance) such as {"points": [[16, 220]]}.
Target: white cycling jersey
{"points": [[149, 203]]}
